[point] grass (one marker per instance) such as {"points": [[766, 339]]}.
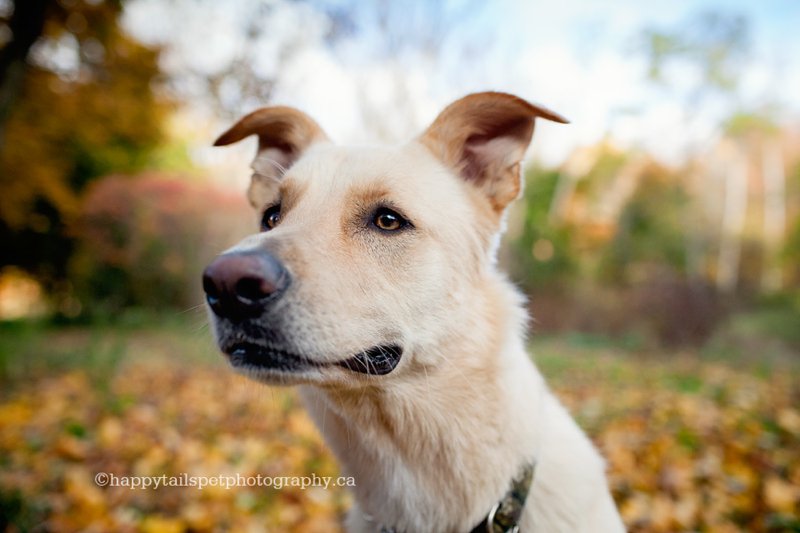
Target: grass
{"points": [[696, 440], [29, 349]]}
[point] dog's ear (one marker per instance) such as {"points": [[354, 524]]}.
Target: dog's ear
{"points": [[284, 133], [483, 137]]}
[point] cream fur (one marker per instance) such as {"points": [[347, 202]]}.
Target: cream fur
{"points": [[434, 444]]}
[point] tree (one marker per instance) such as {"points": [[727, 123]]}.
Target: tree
{"points": [[712, 46], [758, 135], [650, 235], [25, 26], [539, 253], [85, 107], [266, 45]]}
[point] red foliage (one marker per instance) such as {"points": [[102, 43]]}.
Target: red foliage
{"points": [[144, 240]]}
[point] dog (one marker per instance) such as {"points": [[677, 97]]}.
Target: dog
{"points": [[373, 286]]}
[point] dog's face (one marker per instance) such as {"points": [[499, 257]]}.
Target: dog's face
{"points": [[367, 256]]}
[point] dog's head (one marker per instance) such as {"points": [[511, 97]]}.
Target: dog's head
{"points": [[367, 257]]}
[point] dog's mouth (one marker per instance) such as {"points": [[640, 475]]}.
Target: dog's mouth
{"points": [[376, 361]]}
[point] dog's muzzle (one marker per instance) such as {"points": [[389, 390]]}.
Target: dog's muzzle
{"points": [[240, 287]]}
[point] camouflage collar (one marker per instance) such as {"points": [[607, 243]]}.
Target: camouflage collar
{"points": [[506, 513]]}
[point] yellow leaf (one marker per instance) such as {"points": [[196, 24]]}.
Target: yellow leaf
{"points": [[789, 419], [780, 495], [72, 448], [198, 517], [110, 432], [13, 414], [161, 524], [80, 488]]}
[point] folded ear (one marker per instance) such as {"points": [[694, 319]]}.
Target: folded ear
{"points": [[283, 135], [483, 137]]}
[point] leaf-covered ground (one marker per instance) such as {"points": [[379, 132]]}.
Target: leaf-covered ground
{"points": [[692, 445]]}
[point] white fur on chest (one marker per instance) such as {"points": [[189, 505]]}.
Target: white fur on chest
{"points": [[447, 462]]}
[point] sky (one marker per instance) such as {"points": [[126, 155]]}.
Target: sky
{"points": [[577, 57]]}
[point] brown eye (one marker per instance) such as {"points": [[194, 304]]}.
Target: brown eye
{"points": [[387, 220], [271, 218]]}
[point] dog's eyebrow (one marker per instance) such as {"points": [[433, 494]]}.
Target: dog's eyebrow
{"points": [[290, 193], [369, 195]]}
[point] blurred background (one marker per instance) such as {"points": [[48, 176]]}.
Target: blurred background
{"points": [[658, 240]]}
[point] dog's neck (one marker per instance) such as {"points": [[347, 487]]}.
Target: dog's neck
{"points": [[451, 436]]}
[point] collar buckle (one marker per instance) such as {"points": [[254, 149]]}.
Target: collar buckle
{"points": [[490, 524]]}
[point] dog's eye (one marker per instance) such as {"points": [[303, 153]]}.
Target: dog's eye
{"points": [[387, 220], [271, 218]]}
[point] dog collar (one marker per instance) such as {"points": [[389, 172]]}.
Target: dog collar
{"points": [[506, 513]]}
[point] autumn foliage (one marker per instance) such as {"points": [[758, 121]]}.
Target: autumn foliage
{"points": [[86, 107], [144, 240], [691, 445]]}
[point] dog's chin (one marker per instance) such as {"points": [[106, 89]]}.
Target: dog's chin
{"points": [[276, 365]]}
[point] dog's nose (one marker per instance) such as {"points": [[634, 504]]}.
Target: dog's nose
{"points": [[240, 285]]}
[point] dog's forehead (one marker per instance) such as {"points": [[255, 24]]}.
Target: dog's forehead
{"points": [[400, 170]]}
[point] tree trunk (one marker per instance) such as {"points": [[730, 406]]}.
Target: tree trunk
{"points": [[774, 215], [733, 220], [26, 25], [579, 164]]}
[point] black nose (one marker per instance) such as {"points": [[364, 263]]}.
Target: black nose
{"points": [[240, 285]]}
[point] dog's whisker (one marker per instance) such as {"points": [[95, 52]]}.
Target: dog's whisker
{"points": [[461, 372], [364, 361], [192, 308], [275, 164], [427, 379], [200, 327], [324, 412]]}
